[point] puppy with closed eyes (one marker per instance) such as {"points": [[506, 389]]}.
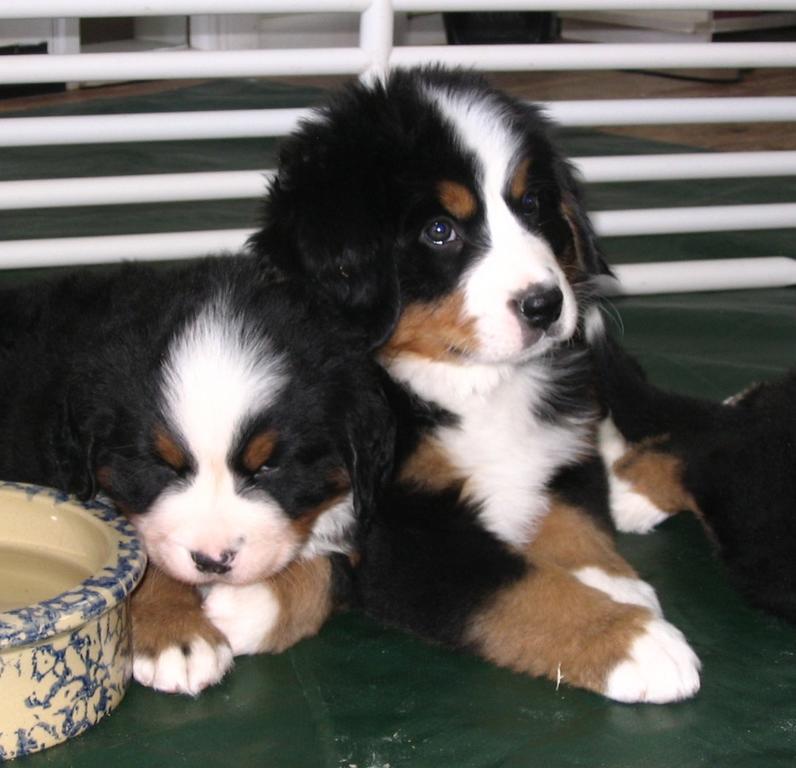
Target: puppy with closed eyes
{"points": [[441, 218], [229, 416]]}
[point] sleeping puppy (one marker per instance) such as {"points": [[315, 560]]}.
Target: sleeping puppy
{"points": [[437, 213], [733, 464], [228, 416]]}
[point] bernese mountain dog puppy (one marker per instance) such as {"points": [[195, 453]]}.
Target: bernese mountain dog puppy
{"points": [[733, 464], [227, 414], [441, 218]]}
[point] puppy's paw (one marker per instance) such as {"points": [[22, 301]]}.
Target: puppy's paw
{"points": [[245, 615], [660, 667], [175, 647], [632, 512], [187, 668]]}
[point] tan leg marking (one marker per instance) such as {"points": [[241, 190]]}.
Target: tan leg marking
{"points": [[168, 613], [550, 624], [570, 539], [656, 475], [304, 593]]}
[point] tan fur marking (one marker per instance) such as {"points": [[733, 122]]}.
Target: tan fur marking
{"points": [[519, 182], [550, 624], [457, 199], [437, 331], [168, 613], [168, 450], [429, 468], [304, 592], [304, 523], [571, 540], [656, 475], [259, 450]]}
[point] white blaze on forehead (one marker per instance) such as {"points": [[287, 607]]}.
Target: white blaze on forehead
{"points": [[516, 259], [218, 372]]}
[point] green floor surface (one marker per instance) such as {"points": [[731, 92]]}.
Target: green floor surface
{"points": [[358, 696]]}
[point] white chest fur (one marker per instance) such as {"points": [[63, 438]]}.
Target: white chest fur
{"points": [[506, 452]]}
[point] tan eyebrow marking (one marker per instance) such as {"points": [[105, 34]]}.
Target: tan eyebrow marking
{"points": [[519, 181], [457, 199], [259, 449], [168, 449]]}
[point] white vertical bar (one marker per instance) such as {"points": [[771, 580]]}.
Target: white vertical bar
{"points": [[376, 31]]}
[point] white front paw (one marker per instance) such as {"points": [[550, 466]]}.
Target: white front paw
{"points": [[632, 512], [660, 667], [184, 669], [245, 615]]}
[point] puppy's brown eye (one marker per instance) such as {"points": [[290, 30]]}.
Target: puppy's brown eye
{"points": [[529, 203], [267, 467], [440, 232]]}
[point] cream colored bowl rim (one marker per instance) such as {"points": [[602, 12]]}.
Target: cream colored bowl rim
{"points": [[110, 584]]}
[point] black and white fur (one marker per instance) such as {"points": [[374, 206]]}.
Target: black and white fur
{"points": [[225, 412]]}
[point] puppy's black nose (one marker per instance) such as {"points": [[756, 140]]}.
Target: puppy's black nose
{"points": [[541, 307], [206, 564]]}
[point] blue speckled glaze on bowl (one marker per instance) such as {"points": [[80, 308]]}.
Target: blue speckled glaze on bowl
{"points": [[65, 662]]}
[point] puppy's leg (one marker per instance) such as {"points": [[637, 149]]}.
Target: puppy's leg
{"points": [[569, 538], [175, 647], [551, 623], [635, 504], [272, 615]]}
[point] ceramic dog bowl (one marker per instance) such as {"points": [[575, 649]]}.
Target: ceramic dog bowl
{"points": [[66, 571]]}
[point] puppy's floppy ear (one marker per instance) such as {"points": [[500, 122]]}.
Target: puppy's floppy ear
{"points": [[369, 451], [329, 223], [588, 254], [76, 443]]}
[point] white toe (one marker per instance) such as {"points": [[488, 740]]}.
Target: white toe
{"points": [[632, 512], [660, 667], [178, 670]]}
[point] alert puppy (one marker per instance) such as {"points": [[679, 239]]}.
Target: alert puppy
{"points": [[440, 217]]}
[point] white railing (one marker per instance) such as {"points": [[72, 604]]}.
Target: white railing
{"points": [[373, 55]]}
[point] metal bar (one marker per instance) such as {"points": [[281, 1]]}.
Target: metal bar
{"points": [[37, 9], [125, 190], [532, 58], [227, 185], [718, 218], [697, 165], [420, 6], [43, 9], [154, 126], [376, 32], [55, 252], [152, 65], [597, 112], [701, 275], [166, 65], [247, 123]]}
